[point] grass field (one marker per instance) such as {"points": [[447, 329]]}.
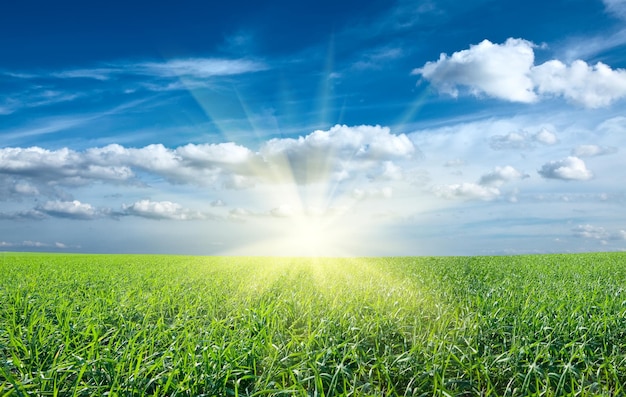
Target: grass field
{"points": [[117, 325]]}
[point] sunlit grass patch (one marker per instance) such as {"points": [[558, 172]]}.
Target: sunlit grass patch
{"points": [[168, 325]]}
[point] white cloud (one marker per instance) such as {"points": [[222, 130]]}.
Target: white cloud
{"points": [[598, 233], [497, 70], [32, 214], [500, 175], [283, 211], [616, 7], [390, 172], [26, 188], [593, 150], [546, 137], [339, 154], [591, 86], [341, 151], [198, 67], [507, 71], [161, 210], [570, 168], [194, 68], [512, 140], [469, 191], [63, 166], [454, 163], [69, 209], [486, 189], [522, 140]]}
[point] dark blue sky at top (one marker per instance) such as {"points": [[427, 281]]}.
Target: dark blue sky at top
{"points": [[303, 44]]}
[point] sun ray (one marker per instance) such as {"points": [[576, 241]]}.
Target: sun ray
{"points": [[326, 84]]}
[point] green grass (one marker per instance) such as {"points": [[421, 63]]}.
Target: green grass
{"points": [[119, 325]]}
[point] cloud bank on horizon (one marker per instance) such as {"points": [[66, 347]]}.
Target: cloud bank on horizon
{"points": [[404, 129]]}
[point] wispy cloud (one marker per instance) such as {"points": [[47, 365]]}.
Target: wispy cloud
{"points": [[593, 150], [598, 233], [616, 7], [522, 140]]}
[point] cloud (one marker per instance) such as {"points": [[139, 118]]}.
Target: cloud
{"points": [[194, 68], [501, 175], [598, 233], [340, 153], [616, 7], [372, 193], [32, 214], [469, 191], [200, 68], [545, 137], [507, 71], [497, 70], [590, 86], [69, 209], [487, 187], [161, 210], [593, 150], [33, 244], [454, 163], [378, 58], [522, 140], [63, 166], [570, 168], [218, 203], [512, 140], [283, 211]]}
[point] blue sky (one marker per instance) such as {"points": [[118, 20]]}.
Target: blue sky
{"points": [[313, 128]]}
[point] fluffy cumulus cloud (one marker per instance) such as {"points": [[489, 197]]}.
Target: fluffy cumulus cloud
{"points": [[487, 188], [507, 71], [161, 210], [592, 86], [69, 209], [546, 137], [340, 153], [60, 166], [570, 168], [593, 150], [497, 70]]}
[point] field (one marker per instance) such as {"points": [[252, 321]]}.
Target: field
{"points": [[120, 325]]}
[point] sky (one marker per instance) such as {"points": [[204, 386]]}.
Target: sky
{"points": [[318, 128]]}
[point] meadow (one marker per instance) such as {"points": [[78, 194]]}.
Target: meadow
{"points": [[139, 325]]}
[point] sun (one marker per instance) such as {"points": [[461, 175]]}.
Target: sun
{"points": [[309, 236]]}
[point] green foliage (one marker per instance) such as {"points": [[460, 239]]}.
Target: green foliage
{"points": [[120, 325]]}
